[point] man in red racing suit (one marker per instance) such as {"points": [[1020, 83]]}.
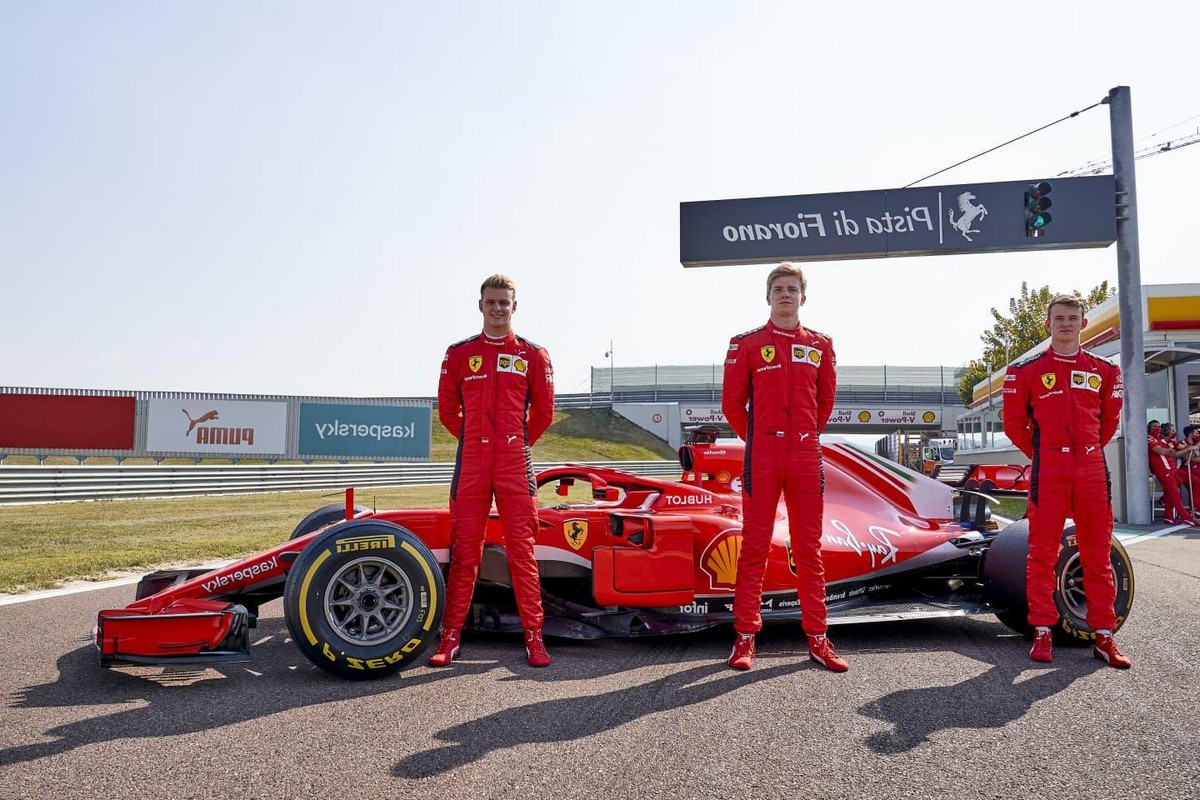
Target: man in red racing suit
{"points": [[778, 393], [496, 396], [1164, 467], [1061, 407]]}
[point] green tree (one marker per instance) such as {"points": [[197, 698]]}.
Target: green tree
{"points": [[1022, 328]]}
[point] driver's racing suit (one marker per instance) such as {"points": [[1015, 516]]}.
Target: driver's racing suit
{"points": [[1061, 411], [778, 394], [496, 396]]}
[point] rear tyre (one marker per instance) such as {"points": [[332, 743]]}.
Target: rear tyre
{"points": [[325, 515], [1004, 584], [364, 599]]}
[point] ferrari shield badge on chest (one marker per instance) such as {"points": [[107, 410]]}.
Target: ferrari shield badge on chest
{"points": [[1048, 380], [768, 353], [475, 362], [576, 531]]}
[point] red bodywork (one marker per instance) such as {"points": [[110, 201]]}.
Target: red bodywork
{"points": [[665, 547]]}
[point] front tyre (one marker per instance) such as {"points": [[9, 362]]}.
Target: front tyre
{"points": [[325, 515], [1004, 584], [364, 599]]}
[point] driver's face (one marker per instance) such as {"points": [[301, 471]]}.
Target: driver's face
{"points": [[785, 296]]}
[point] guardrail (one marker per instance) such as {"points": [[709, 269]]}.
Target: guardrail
{"points": [[62, 483]]}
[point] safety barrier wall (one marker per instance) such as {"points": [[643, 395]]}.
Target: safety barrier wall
{"points": [[52, 484]]}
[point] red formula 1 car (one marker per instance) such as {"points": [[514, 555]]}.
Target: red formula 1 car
{"points": [[620, 555]]}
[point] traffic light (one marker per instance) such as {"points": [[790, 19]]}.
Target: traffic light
{"points": [[1037, 201]]}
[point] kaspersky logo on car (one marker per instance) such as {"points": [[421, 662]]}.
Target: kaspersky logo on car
{"points": [[214, 434]]}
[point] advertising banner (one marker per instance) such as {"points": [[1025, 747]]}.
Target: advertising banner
{"points": [[367, 432], [228, 427], [908, 417], [695, 415], [66, 422]]}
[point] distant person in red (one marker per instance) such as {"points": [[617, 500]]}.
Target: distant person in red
{"points": [[778, 393], [1189, 464], [1162, 466], [1061, 407], [496, 396]]}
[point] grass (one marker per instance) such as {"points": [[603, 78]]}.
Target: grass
{"points": [[1010, 507], [45, 545]]}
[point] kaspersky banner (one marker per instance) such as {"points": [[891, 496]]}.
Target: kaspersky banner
{"points": [[362, 431], [229, 427]]}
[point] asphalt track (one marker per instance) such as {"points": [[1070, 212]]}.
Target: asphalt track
{"points": [[937, 709]]}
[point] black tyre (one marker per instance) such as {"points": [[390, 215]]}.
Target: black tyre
{"points": [[364, 599], [325, 515], [1004, 584]]}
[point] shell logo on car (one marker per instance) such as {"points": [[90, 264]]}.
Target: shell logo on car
{"points": [[719, 560]]}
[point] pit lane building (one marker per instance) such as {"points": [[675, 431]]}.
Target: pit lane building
{"points": [[665, 400]]}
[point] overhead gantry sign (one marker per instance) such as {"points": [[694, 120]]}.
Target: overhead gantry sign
{"points": [[934, 220]]}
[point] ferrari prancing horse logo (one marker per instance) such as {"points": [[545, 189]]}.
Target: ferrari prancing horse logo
{"points": [[576, 531], [1048, 380], [768, 353], [475, 362]]}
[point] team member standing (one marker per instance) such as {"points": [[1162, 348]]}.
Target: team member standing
{"points": [[1189, 465], [1163, 466], [1061, 407], [778, 393], [496, 396]]}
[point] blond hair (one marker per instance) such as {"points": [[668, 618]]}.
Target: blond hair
{"points": [[788, 270], [498, 281]]}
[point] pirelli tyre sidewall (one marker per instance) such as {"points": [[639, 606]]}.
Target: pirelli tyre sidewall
{"points": [[1004, 584], [1072, 626], [364, 599]]}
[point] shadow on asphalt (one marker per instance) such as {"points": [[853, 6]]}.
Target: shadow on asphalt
{"points": [[157, 702], [572, 718], [174, 700], [993, 699], [184, 699]]}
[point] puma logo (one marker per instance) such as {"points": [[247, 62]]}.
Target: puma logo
{"points": [[211, 415], [511, 437], [803, 436], [1089, 449]]}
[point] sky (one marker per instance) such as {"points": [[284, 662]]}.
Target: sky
{"points": [[303, 197]]}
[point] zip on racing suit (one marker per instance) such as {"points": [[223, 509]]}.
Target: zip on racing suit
{"points": [[1061, 411], [777, 396], [496, 396]]}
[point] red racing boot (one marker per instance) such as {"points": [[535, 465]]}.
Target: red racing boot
{"points": [[1106, 650], [1043, 647], [742, 656], [820, 650], [535, 649], [448, 648]]}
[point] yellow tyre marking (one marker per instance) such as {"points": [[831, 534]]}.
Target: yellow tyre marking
{"points": [[308, 576], [433, 598]]}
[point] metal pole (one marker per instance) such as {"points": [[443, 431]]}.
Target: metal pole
{"points": [[1129, 305]]}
